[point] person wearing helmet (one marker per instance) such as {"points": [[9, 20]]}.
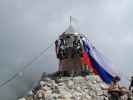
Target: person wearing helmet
{"points": [[115, 84], [114, 89]]}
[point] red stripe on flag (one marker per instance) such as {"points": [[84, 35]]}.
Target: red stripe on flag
{"points": [[87, 61]]}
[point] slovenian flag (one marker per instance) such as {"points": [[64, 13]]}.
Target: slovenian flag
{"points": [[97, 62]]}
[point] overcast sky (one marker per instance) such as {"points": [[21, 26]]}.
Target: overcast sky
{"points": [[29, 26]]}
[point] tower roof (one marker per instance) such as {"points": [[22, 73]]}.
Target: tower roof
{"points": [[70, 30]]}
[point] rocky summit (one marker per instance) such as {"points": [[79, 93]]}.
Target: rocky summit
{"points": [[68, 88]]}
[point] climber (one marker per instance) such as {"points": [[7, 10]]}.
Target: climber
{"points": [[115, 91], [131, 85]]}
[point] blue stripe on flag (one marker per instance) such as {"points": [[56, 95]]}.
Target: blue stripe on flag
{"points": [[105, 75]]}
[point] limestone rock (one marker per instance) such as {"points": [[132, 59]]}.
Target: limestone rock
{"points": [[68, 88]]}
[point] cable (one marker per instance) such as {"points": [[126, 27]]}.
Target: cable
{"points": [[26, 66]]}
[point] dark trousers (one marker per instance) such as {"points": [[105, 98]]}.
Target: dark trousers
{"points": [[114, 96]]}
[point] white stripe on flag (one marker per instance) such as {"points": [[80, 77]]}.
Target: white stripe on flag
{"points": [[100, 58]]}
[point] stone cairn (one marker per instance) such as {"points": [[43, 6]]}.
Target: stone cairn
{"points": [[64, 87]]}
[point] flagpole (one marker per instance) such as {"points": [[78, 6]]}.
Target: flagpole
{"points": [[70, 19]]}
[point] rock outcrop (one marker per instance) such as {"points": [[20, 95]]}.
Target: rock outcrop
{"points": [[68, 88]]}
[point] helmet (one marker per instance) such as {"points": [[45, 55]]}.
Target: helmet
{"points": [[116, 79]]}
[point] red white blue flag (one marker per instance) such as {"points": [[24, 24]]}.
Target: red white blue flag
{"points": [[97, 62]]}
